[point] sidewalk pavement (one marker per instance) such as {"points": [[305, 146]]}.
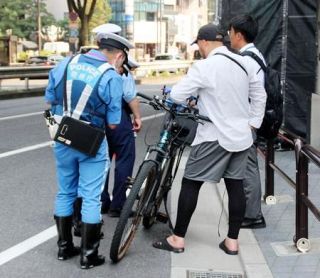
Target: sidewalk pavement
{"points": [[259, 254]]}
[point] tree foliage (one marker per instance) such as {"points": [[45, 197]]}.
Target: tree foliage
{"points": [[21, 17], [84, 9], [89, 11], [101, 14]]}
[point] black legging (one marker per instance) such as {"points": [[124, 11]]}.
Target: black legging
{"points": [[188, 199], [236, 206]]}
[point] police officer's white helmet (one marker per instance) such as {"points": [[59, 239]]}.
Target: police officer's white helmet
{"points": [[113, 40], [107, 28]]}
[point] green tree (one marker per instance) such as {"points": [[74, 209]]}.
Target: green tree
{"points": [[91, 13], [21, 17], [101, 14], [84, 9]]}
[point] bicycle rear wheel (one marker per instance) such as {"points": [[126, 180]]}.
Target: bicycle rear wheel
{"points": [[127, 227]]}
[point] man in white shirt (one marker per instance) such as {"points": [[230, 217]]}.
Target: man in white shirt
{"points": [[243, 31], [224, 82]]}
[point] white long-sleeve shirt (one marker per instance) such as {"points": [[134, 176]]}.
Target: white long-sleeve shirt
{"points": [[224, 90], [251, 47]]}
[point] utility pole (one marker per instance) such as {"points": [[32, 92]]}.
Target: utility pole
{"points": [[160, 26], [39, 25]]}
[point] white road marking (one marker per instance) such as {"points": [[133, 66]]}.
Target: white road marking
{"points": [[152, 117], [45, 235], [39, 113], [27, 245], [26, 149], [20, 116], [49, 143]]}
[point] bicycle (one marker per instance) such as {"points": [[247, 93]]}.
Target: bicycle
{"points": [[156, 173]]}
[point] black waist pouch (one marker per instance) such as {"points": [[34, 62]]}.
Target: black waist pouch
{"points": [[79, 135]]}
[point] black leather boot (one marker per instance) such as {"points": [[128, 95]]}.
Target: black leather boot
{"points": [[77, 217], [65, 243], [89, 246]]}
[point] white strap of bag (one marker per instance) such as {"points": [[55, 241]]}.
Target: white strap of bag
{"points": [[69, 88], [86, 93]]}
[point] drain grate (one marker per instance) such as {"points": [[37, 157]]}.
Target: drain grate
{"points": [[211, 274]]}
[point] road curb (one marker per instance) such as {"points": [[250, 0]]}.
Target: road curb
{"points": [[33, 92], [250, 254]]}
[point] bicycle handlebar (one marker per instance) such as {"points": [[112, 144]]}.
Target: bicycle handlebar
{"points": [[144, 96], [195, 116], [204, 118]]}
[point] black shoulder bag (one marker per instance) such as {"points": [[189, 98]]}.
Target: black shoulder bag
{"points": [[78, 134]]}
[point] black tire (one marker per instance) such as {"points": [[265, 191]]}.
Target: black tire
{"points": [[150, 216], [126, 227]]}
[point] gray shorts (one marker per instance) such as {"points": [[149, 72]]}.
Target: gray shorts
{"points": [[210, 162]]}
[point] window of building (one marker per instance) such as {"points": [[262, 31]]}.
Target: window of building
{"points": [[169, 8], [151, 16]]}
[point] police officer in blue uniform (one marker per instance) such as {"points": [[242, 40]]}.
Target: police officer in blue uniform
{"points": [[94, 91], [121, 143], [101, 29]]}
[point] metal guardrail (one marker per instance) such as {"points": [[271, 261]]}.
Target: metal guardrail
{"points": [[303, 153], [148, 68], [24, 73], [145, 69]]}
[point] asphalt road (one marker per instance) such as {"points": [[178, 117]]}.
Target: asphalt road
{"points": [[28, 186]]}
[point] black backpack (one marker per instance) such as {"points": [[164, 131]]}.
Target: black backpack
{"points": [[273, 114]]}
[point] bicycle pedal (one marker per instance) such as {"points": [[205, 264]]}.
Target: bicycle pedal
{"points": [[129, 181], [162, 217]]}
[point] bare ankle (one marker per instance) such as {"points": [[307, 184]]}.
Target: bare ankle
{"points": [[176, 241], [232, 244]]}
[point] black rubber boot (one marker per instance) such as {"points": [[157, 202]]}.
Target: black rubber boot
{"points": [[77, 217], [91, 234], [65, 243]]}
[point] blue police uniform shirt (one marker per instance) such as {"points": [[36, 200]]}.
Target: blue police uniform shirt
{"points": [[129, 87], [107, 106]]}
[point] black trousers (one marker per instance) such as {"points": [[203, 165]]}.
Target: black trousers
{"points": [[188, 199]]}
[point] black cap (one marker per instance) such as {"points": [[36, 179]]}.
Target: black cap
{"points": [[209, 32]]}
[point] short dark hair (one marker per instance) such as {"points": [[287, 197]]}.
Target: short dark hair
{"points": [[246, 25]]}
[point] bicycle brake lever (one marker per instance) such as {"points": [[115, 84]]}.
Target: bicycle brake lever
{"points": [[154, 105]]}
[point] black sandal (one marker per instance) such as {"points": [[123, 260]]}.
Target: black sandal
{"points": [[226, 249], [165, 245]]}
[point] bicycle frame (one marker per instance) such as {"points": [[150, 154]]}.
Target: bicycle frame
{"points": [[164, 149], [155, 175]]}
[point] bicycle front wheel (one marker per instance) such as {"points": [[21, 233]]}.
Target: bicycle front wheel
{"points": [[127, 227], [154, 204]]}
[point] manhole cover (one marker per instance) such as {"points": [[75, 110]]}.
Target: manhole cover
{"points": [[211, 274]]}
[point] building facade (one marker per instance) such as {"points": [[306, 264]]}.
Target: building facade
{"points": [[155, 26], [161, 26], [58, 8]]}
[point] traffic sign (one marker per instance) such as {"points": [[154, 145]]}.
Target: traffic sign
{"points": [[73, 24], [74, 33], [73, 40], [73, 16]]}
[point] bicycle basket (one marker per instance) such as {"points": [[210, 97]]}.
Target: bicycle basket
{"points": [[185, 130]]}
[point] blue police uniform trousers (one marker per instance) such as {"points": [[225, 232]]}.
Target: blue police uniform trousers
{"points": [[80, 174], [121, 143]]}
